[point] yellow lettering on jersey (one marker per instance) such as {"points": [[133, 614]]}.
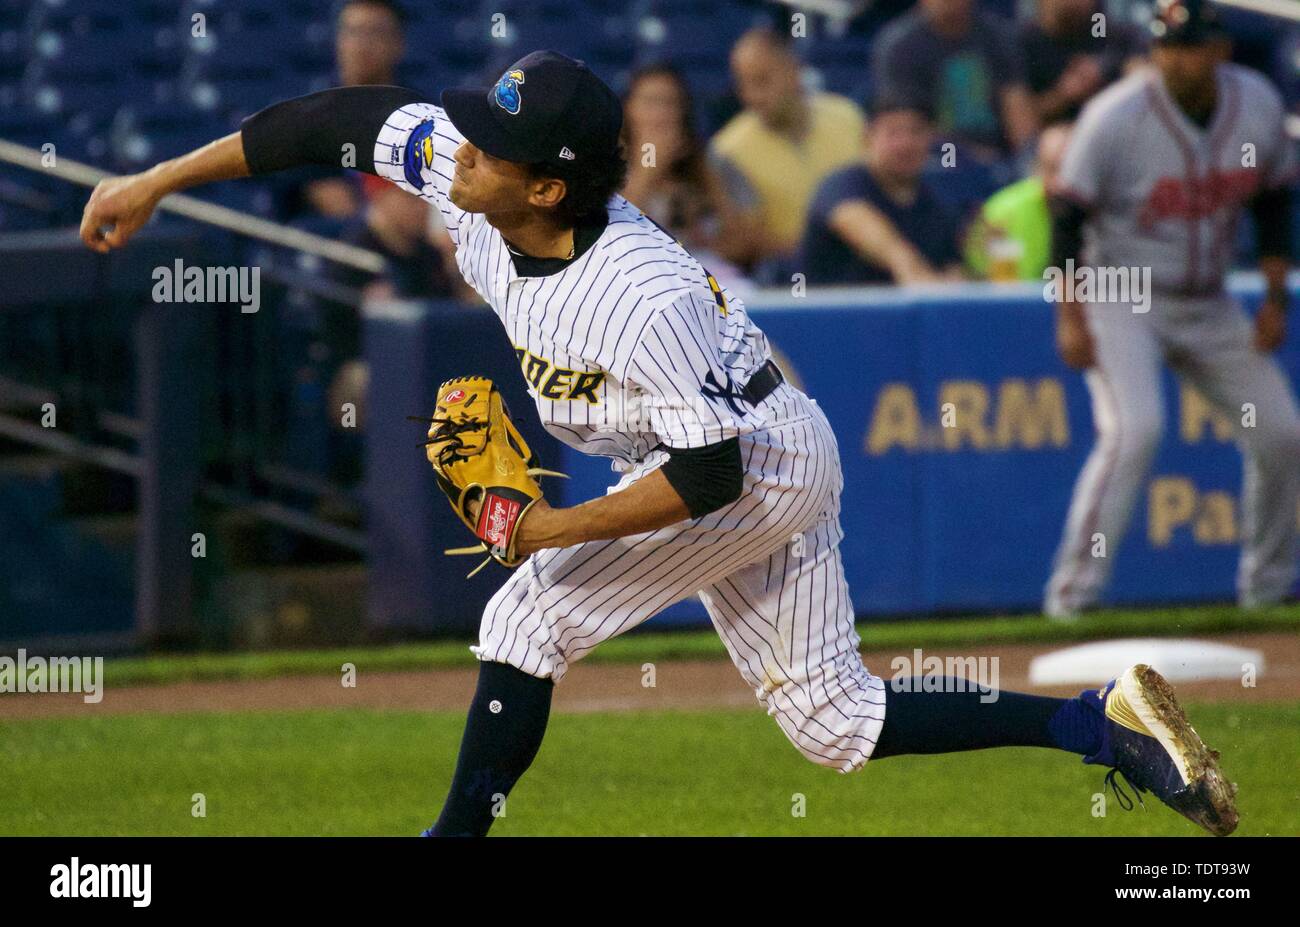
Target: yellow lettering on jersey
{"points": [[556, 384], [585, 385], [559, 383], [717, 295], [534, 368]]}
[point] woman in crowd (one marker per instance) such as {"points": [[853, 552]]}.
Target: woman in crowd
{"points": [[669, 177]]}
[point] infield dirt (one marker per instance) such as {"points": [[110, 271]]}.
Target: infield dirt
{"points": [[679, 684]]}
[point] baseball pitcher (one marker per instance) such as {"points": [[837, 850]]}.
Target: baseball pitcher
{"points": [[731, 480]]}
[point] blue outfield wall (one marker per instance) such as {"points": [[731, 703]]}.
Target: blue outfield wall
{"points": [[941, 519]]}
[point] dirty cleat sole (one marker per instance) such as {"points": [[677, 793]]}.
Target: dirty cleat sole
{"points": [[1209, 799]]}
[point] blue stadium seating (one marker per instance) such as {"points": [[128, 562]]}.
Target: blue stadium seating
{"points": [[125, 81]]}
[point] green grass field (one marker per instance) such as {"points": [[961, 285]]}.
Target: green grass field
{"points": [[721, 772]]}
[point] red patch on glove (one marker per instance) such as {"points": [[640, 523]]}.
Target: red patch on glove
{"points": [[496, 520]]}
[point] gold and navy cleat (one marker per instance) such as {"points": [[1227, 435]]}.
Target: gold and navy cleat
{"points": [[1149, 740]]}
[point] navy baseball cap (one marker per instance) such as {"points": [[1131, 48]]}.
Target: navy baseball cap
{"points": [[546, 108], [1186, 22]]}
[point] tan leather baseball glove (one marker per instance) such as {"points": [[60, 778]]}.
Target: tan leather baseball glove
{"points": [[484, 466]]}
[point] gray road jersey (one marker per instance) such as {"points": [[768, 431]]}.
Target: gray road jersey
{"points": [[1163, 192]]}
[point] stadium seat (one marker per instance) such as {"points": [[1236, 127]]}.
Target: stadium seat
{"points": [[153, 12], [12, 17], [530, 32], [19, 123], [246, 197], [254, 48], [704, 37], [141, 135], [79, 52], [1287, 66], [160, 59], [12, 60], [443, 10], [314, 54], [84, 17], [847, 80]]}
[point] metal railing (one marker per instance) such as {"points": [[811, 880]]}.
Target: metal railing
{"points": [[164, 444], [223, 217]]}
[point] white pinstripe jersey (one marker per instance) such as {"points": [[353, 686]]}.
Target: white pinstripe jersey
{"points": [[630, 346]]}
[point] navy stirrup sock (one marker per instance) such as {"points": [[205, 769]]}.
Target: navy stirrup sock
{"points": [[502, 735], [962, 718]]}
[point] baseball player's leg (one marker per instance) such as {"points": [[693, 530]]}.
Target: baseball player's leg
{"points": [[503, 732], [1251, 389], [1128, 415], [787, 623], [561, 604]]}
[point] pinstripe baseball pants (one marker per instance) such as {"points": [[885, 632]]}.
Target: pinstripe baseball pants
{"points": [[767, 568]]}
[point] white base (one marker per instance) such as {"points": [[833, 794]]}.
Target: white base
{"points": [[1176, 660]]}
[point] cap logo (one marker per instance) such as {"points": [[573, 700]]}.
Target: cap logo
{"points": [[506, 91], [566, 154]]}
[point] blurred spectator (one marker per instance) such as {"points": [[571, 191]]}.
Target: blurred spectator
{"points": [[963, 64], [1012, 238], [368, 45], [1069, 55], [878, 221], [775, 152], [397, 225], [669, 175]]}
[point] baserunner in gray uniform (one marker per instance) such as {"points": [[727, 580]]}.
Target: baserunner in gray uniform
{"points": [[1156, 176]]}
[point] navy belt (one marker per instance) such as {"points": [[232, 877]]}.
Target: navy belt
{"points": [[762, 383]]}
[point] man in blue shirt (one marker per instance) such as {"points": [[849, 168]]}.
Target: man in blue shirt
{"points": [[878, 221], [964, 64]]}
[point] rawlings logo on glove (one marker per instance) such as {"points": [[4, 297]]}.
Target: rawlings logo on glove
{"points": [[483, 466]]}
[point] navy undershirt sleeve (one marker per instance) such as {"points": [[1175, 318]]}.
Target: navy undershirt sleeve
{"points": [[707, 478], [313, 129]]}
